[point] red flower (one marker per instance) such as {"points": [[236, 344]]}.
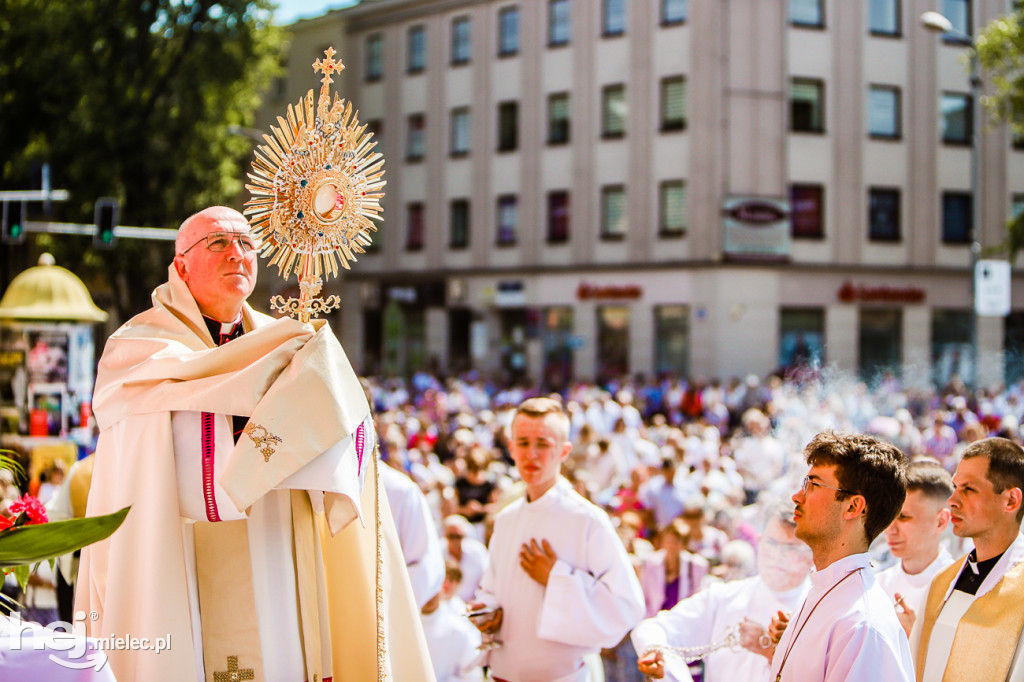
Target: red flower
{"points": [[5, 522], [31, 506]]}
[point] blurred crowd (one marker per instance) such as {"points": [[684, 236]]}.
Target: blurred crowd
{"points": [[685, 469]]}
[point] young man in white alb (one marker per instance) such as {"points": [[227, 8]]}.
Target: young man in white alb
{"points": [[915, 538], [847, 628], [558, 571]]}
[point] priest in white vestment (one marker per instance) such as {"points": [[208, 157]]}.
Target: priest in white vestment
{"points": [[416, 533], [557, 571], [242, 444], [707, 617], [847, 628], [915, 537], [970, 624]]}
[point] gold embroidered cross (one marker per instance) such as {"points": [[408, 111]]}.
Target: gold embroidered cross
{"points": [[233, 674], [262, 441]]}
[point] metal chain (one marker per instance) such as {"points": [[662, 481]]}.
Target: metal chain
{"points": [[689, 654]]}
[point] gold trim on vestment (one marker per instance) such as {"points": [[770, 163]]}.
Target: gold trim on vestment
{"points": [[986, 638]]}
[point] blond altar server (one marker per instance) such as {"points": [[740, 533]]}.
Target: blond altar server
{"points": [[915, 538], [242, 444], [707, 617], [971, 624], [557, 569], [847, 628]]}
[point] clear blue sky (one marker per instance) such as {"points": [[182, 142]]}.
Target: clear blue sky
{"points": [[290, 11]]}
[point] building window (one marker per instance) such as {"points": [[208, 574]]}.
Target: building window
{"points": [[508, 126], [613, 212], [416, 144], [414, 227], [1016, 205], [460, 40], [673, 11], [557, 341], [612, 342], [807, 13], [956, 121], [672, 208], [558, 118], [672, 340], [807, 105], [956, 217], [613, 111], [959, 14], [806, 211], [460, 131], [508, 31], [508, 218], [416, 49], [880, 343], [883, 215], [459, 226], [673, 103], [884, 17], [558, 22], [374, 57], [558, 217], [375, 126], [801, 338], [951, 345], [613, 17], [884, 111]]}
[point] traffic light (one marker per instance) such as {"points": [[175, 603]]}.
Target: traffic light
{"points": [[14, 222], [108, 211]]}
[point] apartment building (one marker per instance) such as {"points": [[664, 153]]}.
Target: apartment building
{"points": [[579, 189]]}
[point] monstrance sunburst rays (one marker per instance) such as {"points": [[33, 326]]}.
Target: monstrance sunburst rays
{"points": [[315, 192]]}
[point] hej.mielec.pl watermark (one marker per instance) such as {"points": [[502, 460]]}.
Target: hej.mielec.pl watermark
{"points": [[77, 651]]}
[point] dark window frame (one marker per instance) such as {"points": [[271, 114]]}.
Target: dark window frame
{"points": [[672, 21], [412, 155], [457, 207], [666, 124], [416, 54], [556, 125], [897, 32], [820, 24], [512, 237], [889, 192], [374, 60], [553, 39], [967, 209], [663, 229], [606, 192], [506, 48], [898, 114], [508, 141], [606, 132], [793, 101], [559, 233], [613, 32], [457, 58], [454, 115], [415, 225], [968, 101], [818, 233]]}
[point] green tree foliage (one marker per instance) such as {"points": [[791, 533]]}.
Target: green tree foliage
{"points": [[1001, 54], [132, 99]]}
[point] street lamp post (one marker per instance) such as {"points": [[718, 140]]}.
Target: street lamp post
{"points": [[938, 23]]}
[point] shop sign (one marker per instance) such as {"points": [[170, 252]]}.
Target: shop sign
{"points": [[992, 288], [589, 292], [510, 294], [756, 227], [862, 293]]}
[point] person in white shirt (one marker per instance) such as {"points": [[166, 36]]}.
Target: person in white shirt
{"points": [[847, 628], [452, 640], [915, 538], [417, 534], [559, 577], [781, 585], [469, 553], [970, 625]]}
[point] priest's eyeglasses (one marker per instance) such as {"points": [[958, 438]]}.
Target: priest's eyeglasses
{"points": [[808, 482], [221, 241]]}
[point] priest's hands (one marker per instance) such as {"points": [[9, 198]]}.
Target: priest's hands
{"points": [[652, 664], [906, 615], [537, 560], [755, 639]]}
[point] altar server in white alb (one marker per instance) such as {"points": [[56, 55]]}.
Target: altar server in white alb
{"points": [[915, 538], [416, 533], [847, 628], [557, 569], [971, 624], [241, 443], [706, 618]]}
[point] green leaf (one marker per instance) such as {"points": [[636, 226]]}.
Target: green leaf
{"points": [[21, 573], [27, 545]]}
